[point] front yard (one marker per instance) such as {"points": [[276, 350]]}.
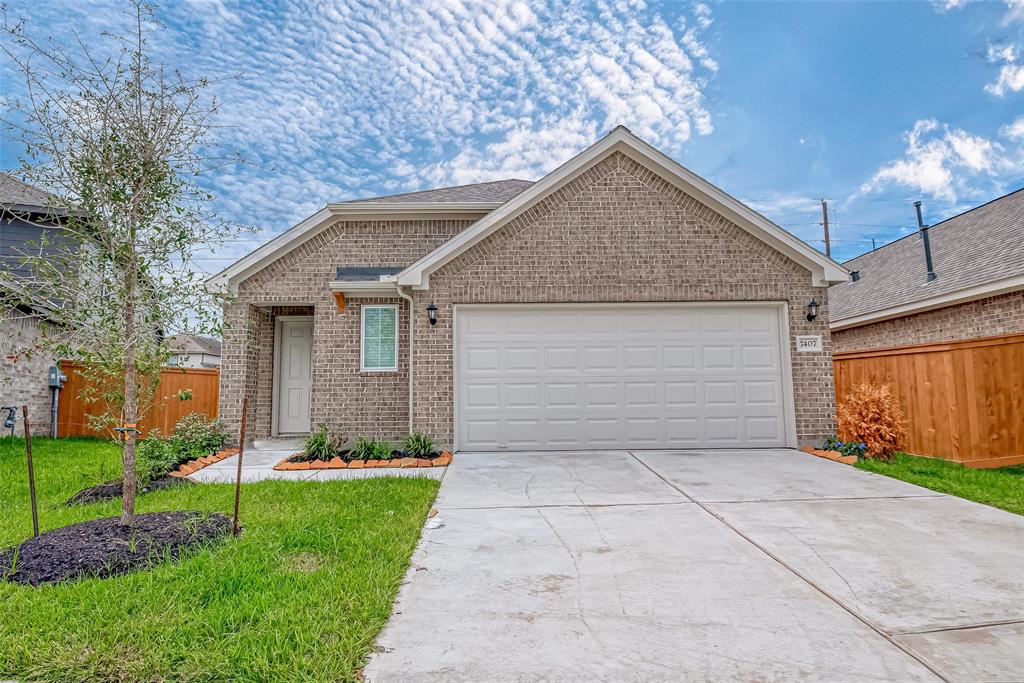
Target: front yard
{"points": [[1002, 488], [299, 596]]}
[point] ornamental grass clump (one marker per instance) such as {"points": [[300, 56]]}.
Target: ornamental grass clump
{"points": [[871, 415], [321, 445]]}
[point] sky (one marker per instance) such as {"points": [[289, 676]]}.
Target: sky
{"points": [[781, 104]]}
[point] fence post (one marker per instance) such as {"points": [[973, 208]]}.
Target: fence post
{"points": [[31, 471], [235, 529]]}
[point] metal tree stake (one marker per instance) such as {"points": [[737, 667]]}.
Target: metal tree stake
{"points": [[238, 479], [31, 471]]}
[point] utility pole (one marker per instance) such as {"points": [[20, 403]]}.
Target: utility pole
{"points": [[824, 224]]}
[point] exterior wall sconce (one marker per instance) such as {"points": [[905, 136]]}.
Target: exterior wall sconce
{"points": [[812, 311], [432, 314]]}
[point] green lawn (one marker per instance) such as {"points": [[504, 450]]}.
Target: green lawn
{"points": [[299, 596], [1001, 488]]}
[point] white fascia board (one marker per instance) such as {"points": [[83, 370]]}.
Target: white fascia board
{"points": [[310, 227], [824, 270], [962, 296]]}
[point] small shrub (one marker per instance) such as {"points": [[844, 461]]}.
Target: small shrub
{"points": [[321, 445], [370, 449], [845, 447], [199, 435], [870, 415], [418, 445], [362, 450], [155, 456], [382, 450]]}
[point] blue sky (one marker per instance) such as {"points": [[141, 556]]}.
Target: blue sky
{"points": [[870, 105]]}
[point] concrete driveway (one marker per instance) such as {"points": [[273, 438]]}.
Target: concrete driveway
{"points": [[766, 565]]}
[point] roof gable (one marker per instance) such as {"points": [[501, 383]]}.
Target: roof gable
{"points": [[823, 269], [980, 251], [494, 191]]}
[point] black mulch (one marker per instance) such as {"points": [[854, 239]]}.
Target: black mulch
{"points": [[112, 489], [102, 547], [348, 457]]}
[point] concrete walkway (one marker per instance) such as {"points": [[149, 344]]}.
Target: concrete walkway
{"points": [[704, 566], [259, 459]]}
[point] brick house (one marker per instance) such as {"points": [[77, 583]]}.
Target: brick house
{"points": [[977, 289], [24, 218], [619, 301]]}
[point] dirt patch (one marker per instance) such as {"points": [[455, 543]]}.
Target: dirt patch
{"points": [[109, 490], [102, 547]]}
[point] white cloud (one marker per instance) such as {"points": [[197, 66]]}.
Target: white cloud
{"points": [[1011, 77], [944, 162], [1014, 130]]}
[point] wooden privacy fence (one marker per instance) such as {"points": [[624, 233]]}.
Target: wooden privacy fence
{"points": [[963, 400], [168, 408]]}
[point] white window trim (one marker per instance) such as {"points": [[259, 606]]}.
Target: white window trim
{"points": [[362, 337]]}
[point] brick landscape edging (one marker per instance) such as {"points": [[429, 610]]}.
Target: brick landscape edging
{"points": [[193, 466], [830, 455], [337, 463]]}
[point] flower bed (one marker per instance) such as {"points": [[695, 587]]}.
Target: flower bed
{"points": [[830, 455], [193, 466], [299, 461]]}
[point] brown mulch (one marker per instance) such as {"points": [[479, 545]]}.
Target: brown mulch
{"points": [[102, 547], [109, 490]]}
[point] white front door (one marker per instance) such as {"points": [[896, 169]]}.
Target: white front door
{"points": [[620, 376], [295, 379]]}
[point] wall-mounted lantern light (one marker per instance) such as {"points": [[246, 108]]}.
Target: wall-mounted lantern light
{"points": [[432, 314], [812, 311]]}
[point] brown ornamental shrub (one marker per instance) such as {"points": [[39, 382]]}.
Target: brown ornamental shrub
{"points": [[870, 414]]}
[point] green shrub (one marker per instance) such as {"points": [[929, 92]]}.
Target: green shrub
{"points": [[382, 450], [195, 435], [418, 445], [370, 449], [321, 445], [199, 435], [155, 456], [845, 447], [363, 449]]}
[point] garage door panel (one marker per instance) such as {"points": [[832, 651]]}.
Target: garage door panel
{"points": [[612, 377]]}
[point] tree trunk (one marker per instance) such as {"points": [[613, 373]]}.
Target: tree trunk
{"points": [[128, 485], [130, 409]]}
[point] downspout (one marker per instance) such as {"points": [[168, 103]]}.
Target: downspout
{"points": [[408, 298]]}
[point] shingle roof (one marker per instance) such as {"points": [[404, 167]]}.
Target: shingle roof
{"points": [[982, 245], [495, 191], [194, 343], [13, 192], [368, 273]]}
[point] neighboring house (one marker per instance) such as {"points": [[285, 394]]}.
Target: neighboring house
{"points": [[977, 291], [24, 219], [620, 301], [949, 344], [194, 351]]}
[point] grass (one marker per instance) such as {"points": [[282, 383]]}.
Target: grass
{"points": [[1002, 487], [299, 596]]}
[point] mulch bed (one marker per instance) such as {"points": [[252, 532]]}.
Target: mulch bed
{"points": [[109, 490], [102, 547], [301, 461]]}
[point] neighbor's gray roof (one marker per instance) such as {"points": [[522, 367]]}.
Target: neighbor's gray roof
{"points": [[13, 192], [982, 245], [193, 343], [495, 191]]}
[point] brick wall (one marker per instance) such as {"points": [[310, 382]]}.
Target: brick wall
{"points": [[23, 375], [1003, 314], [348, 401], [619, 232]]}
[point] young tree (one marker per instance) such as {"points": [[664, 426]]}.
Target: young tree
{"points": [[120, 142]]}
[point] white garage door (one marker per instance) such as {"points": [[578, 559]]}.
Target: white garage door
{"points": [[619, 376]]}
